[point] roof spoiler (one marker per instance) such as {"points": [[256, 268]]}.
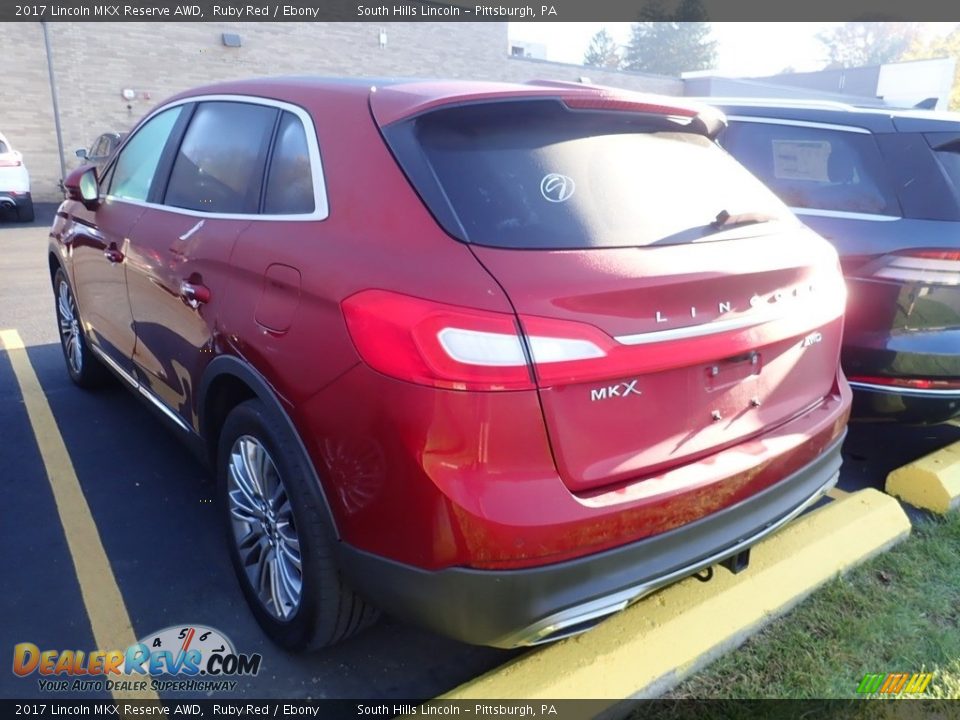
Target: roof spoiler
{"points": [[704, 119]]}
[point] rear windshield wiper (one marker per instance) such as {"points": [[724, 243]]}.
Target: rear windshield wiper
{"points": [[726, 220]]}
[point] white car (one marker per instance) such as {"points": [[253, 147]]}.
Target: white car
{"points": [[14, 183]]}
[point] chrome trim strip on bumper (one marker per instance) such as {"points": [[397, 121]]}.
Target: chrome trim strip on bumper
{"points": [[896, 390], [551, 628], [138, 386]]}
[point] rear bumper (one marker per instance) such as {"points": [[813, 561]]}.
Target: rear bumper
{"points": [[524, 607], [932, 354], [904, 405], [11, 201]]}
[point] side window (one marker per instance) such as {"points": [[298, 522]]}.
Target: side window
{"points": [[814, 167], [133, 172], [290, 180], [219, 167]]}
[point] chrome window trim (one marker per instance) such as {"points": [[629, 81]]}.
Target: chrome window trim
{"points": [[895, 390], [321, 205], [799, 123], [845, 214]]}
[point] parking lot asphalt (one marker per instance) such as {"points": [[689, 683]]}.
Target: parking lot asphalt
{"points": [[151, 503]]}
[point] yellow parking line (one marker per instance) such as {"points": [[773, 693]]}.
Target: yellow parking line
{"points": [[112, 629]]}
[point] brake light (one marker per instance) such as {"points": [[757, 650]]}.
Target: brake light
{"points": [[930, 266], [907, 383], [459, 348], [607, 102]]}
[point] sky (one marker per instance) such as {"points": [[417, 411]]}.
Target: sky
{"points": [[743, 49]]}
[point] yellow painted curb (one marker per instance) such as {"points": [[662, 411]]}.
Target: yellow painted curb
{"points": [[650, 647], [931, 483]]}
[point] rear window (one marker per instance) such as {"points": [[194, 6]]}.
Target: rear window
{"points": [[3, 147], [537, 175], [816, 168]]}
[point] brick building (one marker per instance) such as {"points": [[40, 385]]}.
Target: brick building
{"points": [[94, 63]]}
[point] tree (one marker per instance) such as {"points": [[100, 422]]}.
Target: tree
{"points": [[603, 51], [670, 43], [854, 44], [941, 47]]}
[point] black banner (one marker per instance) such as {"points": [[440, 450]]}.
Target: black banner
{"points": [[501, 10]]}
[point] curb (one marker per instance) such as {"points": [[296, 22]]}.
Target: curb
{"points": [[650, 647], [930, 483]]}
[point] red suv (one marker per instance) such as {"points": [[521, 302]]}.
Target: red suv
{"points": [[498, 359]]}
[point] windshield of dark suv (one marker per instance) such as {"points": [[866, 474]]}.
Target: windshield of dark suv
{"points": [[535, 174]]}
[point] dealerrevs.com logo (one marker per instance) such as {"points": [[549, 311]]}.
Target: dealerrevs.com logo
{"points": [[200, 657]]}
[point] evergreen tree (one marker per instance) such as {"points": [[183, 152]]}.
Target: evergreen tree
{"points": [[670, 43], [603, 51], [855, 44], [940, 47]]}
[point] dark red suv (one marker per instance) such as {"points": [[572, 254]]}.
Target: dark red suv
{"points": [[497, 359]]}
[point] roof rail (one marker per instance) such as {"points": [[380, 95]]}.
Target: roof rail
{"points": [[777, 102]]}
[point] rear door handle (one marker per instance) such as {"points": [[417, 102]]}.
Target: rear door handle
{"points": [[113, 255], [194, 293]]}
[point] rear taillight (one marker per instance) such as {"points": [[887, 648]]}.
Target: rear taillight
{"points": [[927, 266], [10, 163], [907, 383], [460, 348], [455, 347]]}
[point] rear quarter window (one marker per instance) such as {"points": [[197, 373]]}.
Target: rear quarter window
{"points": [[946, 149], [290, 188], [3, 147], [815, 168]]}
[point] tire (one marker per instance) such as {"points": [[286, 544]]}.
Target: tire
{"points": [[266, 538], [84, 368], [25, 212]]}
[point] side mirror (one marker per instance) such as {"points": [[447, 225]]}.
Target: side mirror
{"points": [[81, 153], [81, 185]]}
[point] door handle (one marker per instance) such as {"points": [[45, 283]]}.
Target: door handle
{"points": [[194, 293], [113, 255]]}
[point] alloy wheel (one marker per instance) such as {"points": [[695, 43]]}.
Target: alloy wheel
{"points": [[264, 531], [69, 327]]}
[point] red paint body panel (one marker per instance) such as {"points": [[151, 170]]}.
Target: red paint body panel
{"points": [[441, 478], [668, 418]]}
